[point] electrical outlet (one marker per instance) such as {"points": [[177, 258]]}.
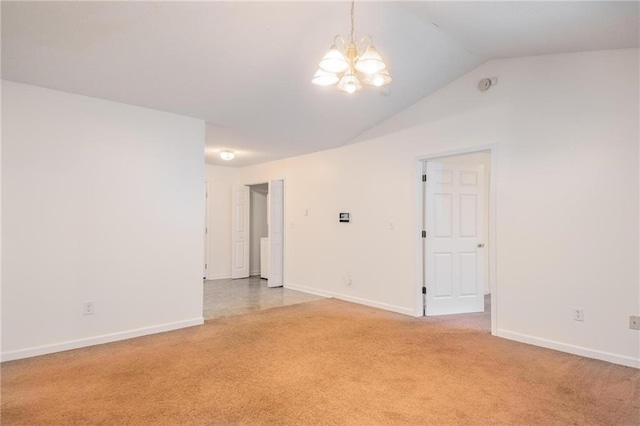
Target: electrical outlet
{"points": [[347, 279], [88, 308], [634, 322], [578, 315]]}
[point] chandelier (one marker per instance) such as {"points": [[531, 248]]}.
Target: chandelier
{"points": [[352, 65]]}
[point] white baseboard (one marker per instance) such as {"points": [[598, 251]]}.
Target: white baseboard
{"points": [[254, 273], [572, 349], [97, 340], [359, 300], [219, 276]]}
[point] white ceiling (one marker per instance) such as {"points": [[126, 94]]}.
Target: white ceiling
{"points": [[245, 67]]}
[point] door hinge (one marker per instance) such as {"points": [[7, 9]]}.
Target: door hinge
{"points": [[424, 234], [424, 178], [424, 290]]}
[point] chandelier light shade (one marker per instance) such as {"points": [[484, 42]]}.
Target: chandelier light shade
{"points": [[370, 61], [378, 79], [324, 78], [334, 61], [349, 67], [227, 155], [349, 83]]}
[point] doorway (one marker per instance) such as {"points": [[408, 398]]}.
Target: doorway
{"points": [[458, 249], [271, 250], [256, 210], [258, 230]]}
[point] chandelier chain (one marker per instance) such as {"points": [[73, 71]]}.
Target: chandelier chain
{"points": [[352, 20]]}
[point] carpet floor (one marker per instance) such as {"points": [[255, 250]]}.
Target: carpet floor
{"points": [[325, 362]]}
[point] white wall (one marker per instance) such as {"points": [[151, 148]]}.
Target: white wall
{"points": [[101, 202], [258, 222], [220, 180], [566, 132]]}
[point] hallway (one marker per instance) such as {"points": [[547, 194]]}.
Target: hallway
{"points": [[229, 297]]}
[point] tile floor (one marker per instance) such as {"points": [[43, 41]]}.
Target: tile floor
{"points": [[236, 297]]}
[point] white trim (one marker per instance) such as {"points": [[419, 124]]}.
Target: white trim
{"points": [[220, 276], [572, 349], [254, 273], [455, 152], [493, 225], [493, 238], [358, 300], [418, 310], [98, 340], [207, 241]]}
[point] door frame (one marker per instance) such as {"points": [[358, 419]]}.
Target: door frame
{"points": [[207, 260], [284, 219], [492, 149]]}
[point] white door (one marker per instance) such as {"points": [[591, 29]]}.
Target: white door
{"points": [[240, 212], [454, 247], [276, 233]]}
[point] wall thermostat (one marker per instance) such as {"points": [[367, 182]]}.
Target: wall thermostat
{"points": [[344, 217]]}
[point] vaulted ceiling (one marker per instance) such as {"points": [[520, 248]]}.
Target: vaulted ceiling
{"points": [[245, 67]]}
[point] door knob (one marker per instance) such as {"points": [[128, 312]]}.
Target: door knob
{"points": [[480, 245]]}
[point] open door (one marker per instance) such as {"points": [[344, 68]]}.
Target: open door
{"points": [[276, 233], [455, 254], [240, 212]]}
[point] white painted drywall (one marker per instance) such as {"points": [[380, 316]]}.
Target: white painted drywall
{"points": [[258, 222], [101, 202], [471, 160], [566, 132], [220, 180]]}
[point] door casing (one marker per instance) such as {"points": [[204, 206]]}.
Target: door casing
{"points": [[207, 262]]}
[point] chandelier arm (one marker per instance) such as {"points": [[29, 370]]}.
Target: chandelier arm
{"points": [[362, 40]]}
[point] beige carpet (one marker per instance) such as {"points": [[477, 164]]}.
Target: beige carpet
{"points": [[320, 363]]}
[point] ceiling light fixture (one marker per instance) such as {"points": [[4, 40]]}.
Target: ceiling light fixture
{"points": [[227, 155], [352, 64]]}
